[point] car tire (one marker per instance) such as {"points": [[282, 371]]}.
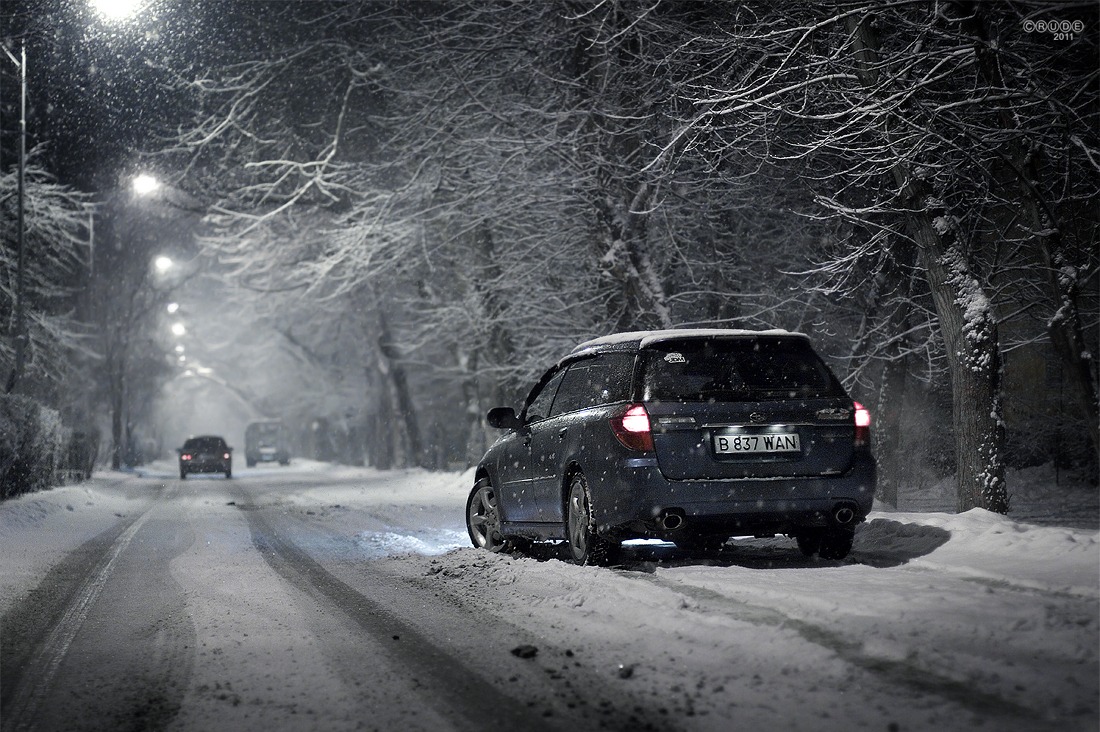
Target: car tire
{"points": [[228, 474], [836, 543], [250, 463], [183, 475], [483, 518], [585, 545]]}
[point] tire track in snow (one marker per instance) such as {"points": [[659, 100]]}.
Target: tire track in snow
{"points": [[479, 702], [26, 685], [898, 672]]}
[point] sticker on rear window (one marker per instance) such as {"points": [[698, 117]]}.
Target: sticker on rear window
{"points": [[675, 358]]}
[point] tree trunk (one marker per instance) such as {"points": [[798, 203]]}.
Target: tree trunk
{"points": [[118, 400], [483, 391], [400, 383], [973, 358], [626, 261], [892, 389], [965, 317]]}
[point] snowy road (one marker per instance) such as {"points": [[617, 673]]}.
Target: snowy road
{"points": [[318, 598]]}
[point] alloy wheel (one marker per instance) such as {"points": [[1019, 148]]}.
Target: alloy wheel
{"points": [[483, 518]]}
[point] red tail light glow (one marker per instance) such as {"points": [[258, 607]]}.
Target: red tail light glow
{"points": [[863, 425], [631, 428], [185, 456]]}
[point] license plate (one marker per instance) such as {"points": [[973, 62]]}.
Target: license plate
{"points": [[769, 442]]}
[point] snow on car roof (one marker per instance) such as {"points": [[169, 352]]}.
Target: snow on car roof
{"points": [[647, 337]]}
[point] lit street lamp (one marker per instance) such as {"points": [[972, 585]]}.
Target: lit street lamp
{"points": [[145, 184], [116, 9], [113, 10]]}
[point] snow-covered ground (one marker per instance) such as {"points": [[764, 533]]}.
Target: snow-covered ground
{"points": [[706, 633]]}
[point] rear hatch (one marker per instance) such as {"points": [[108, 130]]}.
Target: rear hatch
{"points": [[754, 406]]}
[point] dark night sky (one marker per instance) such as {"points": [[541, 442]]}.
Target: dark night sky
{"points": [[96, 93]]}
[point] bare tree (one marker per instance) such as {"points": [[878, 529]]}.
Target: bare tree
{"points": [[473, 187], [897, 112], [55, 270]]}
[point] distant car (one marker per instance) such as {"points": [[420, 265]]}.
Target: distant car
{"points": [[205, 454], [266, 441], [690, 436]]}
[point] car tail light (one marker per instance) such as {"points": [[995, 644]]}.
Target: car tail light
{"points": [[225, 456], [631, 428], [185, 456], [863, 425]]}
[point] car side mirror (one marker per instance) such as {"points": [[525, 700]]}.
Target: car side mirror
{"points": [[503, 418]]}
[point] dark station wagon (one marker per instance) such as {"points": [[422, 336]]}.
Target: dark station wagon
{"points": [[689, 436]]}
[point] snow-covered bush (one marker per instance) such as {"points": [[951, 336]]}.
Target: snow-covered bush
{"points": [[32, 446]]}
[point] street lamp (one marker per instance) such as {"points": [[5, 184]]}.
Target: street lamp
{"points": [[116, 9], [20, 277], [145, 184]]}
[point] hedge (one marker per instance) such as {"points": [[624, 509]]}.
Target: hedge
{"points": [[37, 451]]}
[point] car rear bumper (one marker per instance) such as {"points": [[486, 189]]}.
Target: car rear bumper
{"points": [[638, 501], [193, 467]]}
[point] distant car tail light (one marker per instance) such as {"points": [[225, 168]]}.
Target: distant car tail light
{"points": [[631, 428], [225, 456], [863, 425], [185, 456]]}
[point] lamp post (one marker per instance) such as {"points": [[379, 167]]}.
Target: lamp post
{"points": [[21, 256], [115, 10]]}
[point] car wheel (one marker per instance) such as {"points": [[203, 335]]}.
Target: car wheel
{"points": [[250, 463], [228, 474], [836, 543], [483, 518], [809, 541], [183, 475], [585, 545]]}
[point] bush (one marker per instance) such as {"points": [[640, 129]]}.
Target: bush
{"points": [[32, 446]]}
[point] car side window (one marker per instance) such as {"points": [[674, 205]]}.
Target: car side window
{"points": [[602, 380], [538, 405]]}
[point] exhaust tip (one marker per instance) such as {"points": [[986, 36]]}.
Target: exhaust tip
{"points": [[670, 520], [844, 515]]}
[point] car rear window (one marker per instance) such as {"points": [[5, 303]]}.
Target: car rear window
{"points": [[735, 369], [205, 443]]}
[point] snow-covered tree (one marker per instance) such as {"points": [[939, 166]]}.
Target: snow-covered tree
{"points": [[55, 267], [953, 141], [472, 188]]}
